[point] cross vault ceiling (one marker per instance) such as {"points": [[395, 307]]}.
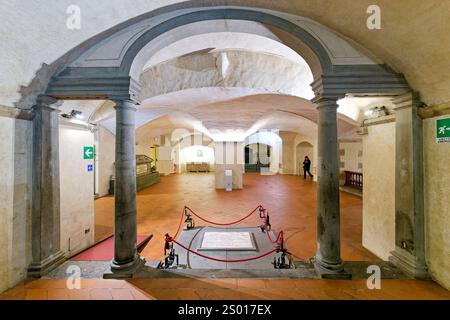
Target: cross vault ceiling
{"points": [[413, 40], [228, 94]]}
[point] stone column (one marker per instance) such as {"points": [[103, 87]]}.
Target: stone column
{"points": [[46, 253], [409, 253], [126, 257], [328, 261]]}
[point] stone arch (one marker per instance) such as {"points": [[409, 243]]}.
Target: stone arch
{"points": [[229, 14], [115, 79], [94, 74]]}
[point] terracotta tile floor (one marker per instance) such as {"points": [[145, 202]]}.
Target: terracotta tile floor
{"points": [[219, 289], [291, 201]]}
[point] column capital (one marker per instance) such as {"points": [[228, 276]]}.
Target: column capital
{"points": [[125, 103], [325, 101]]}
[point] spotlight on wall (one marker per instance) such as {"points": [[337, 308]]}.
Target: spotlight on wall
{"points": [[368, 113], [73, 114], [376, 112]]}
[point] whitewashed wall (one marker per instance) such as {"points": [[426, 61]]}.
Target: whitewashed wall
{"points": [[379, 190], [77, 190], [15, 200], [106, 157]]}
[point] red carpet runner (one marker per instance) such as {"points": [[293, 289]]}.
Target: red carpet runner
{"points": [[102, 251]]}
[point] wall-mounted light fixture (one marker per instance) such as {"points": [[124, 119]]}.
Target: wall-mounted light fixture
{"points": [[73, 114], [376, 112]]}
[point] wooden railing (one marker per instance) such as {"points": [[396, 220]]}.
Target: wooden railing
{"points": [[354, 179]]}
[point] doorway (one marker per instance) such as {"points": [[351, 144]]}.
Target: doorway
{"points": [[257, 156], [302, 150]]}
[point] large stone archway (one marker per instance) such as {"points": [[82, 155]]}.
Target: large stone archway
{"points": [[106, 71]]}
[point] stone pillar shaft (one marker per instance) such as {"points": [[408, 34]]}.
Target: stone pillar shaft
{"points": [[125, 228], [328, 259], [46, 224]]}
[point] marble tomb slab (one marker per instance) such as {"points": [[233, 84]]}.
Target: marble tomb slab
{"points": [[227, 240]]}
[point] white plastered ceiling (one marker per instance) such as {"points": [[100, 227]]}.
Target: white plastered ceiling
{"points": [[237, 76], [35, 32], [227, 93], [228, 85]]}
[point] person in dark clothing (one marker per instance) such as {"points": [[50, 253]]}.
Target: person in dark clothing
{"points": [[307, 167]]}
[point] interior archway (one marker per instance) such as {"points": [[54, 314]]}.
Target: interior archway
{"points": [[304, 149], [109, 108], [98, 74]]}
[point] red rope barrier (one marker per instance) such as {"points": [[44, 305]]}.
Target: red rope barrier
{"points": [[280, 236], [278, 240], [179, 225], [224, 260], [223, 224]]}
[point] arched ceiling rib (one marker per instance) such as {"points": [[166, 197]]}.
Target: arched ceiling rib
{"points": [[140, 39], [220, 41]]}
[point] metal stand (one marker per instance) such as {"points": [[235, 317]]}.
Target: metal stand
{"points": [[280, 263], [170, 258], [190, 223], [263, 214]]}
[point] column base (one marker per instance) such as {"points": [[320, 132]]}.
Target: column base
{"points": [[39, 269], [327, 270], [407, 263], [124, 271]]}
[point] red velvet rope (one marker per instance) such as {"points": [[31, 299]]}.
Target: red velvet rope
{"points": [[224, 224], [224, 260], [278, 240], [179, 225]]}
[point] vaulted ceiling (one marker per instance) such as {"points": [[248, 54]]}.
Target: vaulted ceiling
{"points": [[414, 37], [413, 40]]}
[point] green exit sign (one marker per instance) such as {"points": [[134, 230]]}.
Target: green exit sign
{"points": [[443, 130], [88, 152]]}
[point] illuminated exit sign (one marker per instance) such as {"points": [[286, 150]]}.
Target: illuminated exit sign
{"points": [[443, 130], [88, 152]]}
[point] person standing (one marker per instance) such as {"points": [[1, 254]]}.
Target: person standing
{"points": [[307, 167]]}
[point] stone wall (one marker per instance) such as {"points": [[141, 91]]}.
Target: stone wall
{"points": [[106, 146], [350, 158], [145, 139], [379, 190], [15, 200], [229, 156], [164, 163], [437, 203], [6, 197], [288, 152], [77, 190]]}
